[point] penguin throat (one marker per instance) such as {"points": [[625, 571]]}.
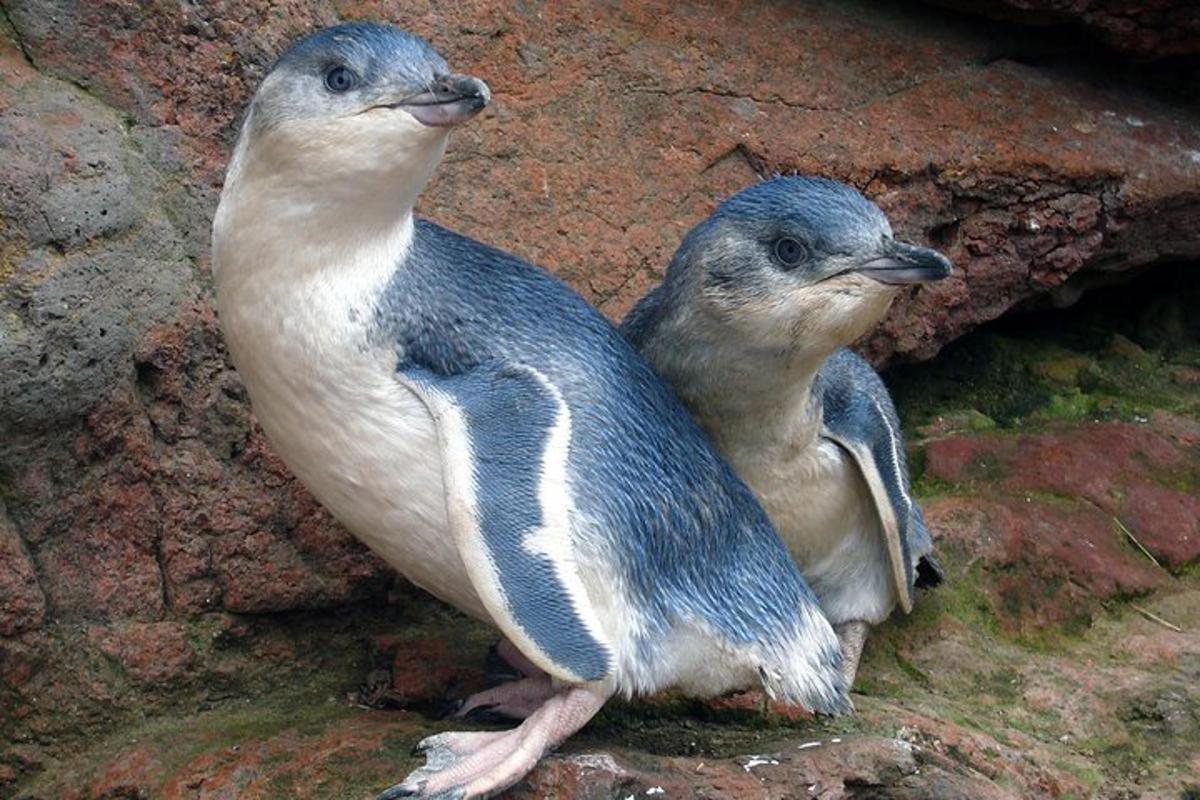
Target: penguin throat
{"points": [[743, 403], [317, 203]]}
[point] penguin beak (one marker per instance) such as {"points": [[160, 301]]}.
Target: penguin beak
{"points": [[902, 263], [451, 99]]}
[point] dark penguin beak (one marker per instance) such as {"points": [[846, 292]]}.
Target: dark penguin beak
{"points": [[452, 99], [902, 262]]}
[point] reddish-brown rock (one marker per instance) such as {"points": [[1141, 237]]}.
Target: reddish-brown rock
{"points": [[153, 653], [148, 491], [1145, 476], [22, 605], [1146, 30], [429, 672], [299, 763], [836, 769], [1047, 563]]}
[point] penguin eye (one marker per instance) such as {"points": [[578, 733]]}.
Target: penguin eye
{"points": [[340, 79], [789, 252]]}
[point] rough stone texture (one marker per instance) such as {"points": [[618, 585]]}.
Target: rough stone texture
{"points": [[1045, 563], [22, 605], [1144, 476], [155, 653], [138, 483], [827, 770], [1145, 30], [140, 486]]}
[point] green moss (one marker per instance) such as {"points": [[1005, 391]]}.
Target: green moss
{"points": [[1064, 371], [1111, 357], [910, 669]]}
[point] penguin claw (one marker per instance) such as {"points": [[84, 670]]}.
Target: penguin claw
{"points": [[406, 789]]}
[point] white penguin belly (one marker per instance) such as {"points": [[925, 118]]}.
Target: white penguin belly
{"points": [[823, 510], [363, 444]]}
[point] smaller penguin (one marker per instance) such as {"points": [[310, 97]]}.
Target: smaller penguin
{"points": [[751, 326]]}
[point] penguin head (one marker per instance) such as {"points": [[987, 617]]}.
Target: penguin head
{"points": [[792, 264], [359, 106]]}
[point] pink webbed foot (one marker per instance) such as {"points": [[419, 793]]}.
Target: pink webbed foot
{"points": [[459, 766], [514, 700]]}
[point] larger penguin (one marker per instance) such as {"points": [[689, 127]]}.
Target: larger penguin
{"points": [[750, 325], [480, 426]]}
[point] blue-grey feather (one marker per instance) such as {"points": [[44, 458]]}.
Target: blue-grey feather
{"points": [[856, 406], [509, 415], [830, 213], [373, 50]]}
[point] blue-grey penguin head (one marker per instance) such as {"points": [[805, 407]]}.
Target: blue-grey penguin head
{"points": [[364, 104], [793, 264]]}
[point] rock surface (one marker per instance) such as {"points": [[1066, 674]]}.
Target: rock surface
{"points": [[1146, 30], [157, 559]]}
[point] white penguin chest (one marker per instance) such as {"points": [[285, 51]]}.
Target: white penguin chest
{"points": [[363, 444], [823, 510]]}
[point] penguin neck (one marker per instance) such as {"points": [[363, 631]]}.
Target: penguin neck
{"points": [[746, 405], [278, 214]]}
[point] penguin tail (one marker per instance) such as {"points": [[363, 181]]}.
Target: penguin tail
{"points": [[929, 572], [805, 667]]}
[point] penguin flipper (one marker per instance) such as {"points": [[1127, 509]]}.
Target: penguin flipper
{"points": [[855, 410], [504, 432]]}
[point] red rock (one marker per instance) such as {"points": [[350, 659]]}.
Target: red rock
{"points": [[1009, 761], [103, 563], [256, 769], [752, 702], [1124, 469], [1145, 30], [146, 494], [1048, 562], [429, 671], [22, 605], [128, 775], [302, 765], [155, 653], [830, 770]]}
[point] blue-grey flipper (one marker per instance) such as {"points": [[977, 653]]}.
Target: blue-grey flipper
{"points": [[505, 435], [858, 414]]}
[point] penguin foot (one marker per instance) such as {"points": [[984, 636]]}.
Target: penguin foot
{"points": [[852, 636], [459, 766], [513, 700]]}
